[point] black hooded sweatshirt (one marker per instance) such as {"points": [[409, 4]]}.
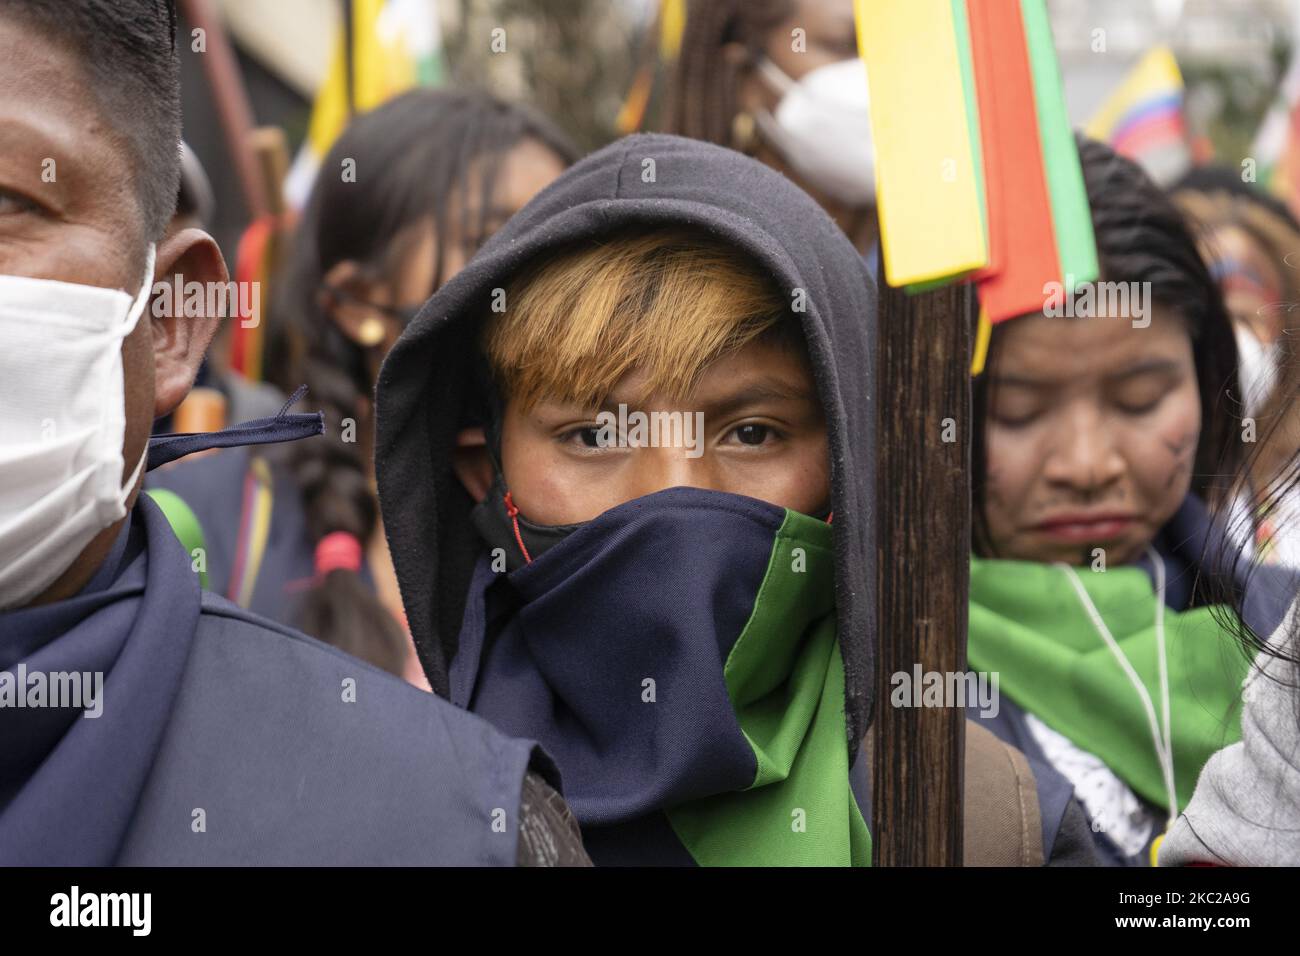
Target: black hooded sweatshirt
{"points": [[430, 386]]}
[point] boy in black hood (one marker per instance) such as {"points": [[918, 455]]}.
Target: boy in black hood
{"points": [[626, 463]]}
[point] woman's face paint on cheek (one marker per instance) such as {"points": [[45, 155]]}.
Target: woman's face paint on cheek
{"points": [[1091, 435]]}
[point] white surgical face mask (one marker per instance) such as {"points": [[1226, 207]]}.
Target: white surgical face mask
{"points": [[62, 424], [822, 128], [1256, 368]]}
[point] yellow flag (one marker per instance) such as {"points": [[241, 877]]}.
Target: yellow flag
{"points": [[927, 197], [396, 45]]}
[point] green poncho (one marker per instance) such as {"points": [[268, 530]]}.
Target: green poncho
{"points": [[1029, 625]]}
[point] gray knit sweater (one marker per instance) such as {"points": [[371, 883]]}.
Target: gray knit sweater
{"points": [[1246, 808]]}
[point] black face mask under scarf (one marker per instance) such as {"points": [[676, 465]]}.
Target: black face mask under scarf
{"points": [[502, 527]]}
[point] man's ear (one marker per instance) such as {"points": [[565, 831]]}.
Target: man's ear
{"points": [[181, 335], [471, 462]]}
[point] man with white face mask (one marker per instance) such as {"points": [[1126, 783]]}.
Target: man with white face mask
{"points": [[197, 733]]}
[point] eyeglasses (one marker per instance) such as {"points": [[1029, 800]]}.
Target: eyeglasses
{"points": [[402, 314]]}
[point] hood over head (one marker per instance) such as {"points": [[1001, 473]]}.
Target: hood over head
{"points": [[433, 382]]}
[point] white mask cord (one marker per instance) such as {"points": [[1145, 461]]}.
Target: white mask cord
{"points": [[1163, 742]]}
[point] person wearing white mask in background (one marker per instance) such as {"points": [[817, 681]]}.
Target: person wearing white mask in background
{"points": [[142, 721], [781, 80]]}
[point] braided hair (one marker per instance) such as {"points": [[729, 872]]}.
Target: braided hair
{"points": [[412, 158], [702, 96]]}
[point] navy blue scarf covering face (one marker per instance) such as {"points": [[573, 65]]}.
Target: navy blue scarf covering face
{"points": [[657, 589], [69, 783]]}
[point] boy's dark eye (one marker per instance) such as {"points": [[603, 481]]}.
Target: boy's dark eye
{"points": [[13, 203], [588, 437], [752, 434]]}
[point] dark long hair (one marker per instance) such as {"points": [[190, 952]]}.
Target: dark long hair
{"points": [[702, 96], [1215, 199], [1273, 465], [1142, 237], [412, 156]]}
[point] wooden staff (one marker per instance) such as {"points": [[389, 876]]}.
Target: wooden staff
{"points": [[923, 568]]}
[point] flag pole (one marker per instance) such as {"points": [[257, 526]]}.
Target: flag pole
{"points": [[923, 568], [349, 57], [231, 100]]}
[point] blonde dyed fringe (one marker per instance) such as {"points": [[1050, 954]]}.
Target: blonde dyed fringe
{"points": [[667, 303]]}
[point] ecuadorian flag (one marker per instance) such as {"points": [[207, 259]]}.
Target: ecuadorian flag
{"points": [[1143, 119]]}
